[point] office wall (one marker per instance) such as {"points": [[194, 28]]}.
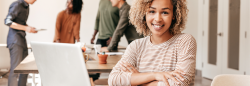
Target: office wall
{"points": [[192, 21], [192, 27], [199, 35], [43, 14]]}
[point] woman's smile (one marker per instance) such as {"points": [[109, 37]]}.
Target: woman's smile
{"points": [[158, 27]]}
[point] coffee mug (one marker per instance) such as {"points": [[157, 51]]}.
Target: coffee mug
{"points": [[97, 48], [85, 56]]}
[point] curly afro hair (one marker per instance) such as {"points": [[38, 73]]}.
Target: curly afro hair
{"points": [[139, 9], [77, 6]]}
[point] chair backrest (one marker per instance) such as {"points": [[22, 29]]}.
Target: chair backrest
{"points": [[60, 64], [231, 80], [4, 57]]}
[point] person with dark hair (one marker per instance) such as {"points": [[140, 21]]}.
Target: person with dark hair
{"points": [[68, 23], [106, 21], [16, 41]]}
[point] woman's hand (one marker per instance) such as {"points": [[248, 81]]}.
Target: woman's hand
{"points": [[164, 76], [78, 40], [58, 41], [159, 76], [127, 67]]}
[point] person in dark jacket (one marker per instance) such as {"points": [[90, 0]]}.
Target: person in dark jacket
{"points": [[106, 21], [123, 27], [16, 42]]}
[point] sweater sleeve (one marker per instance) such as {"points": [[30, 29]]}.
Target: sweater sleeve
{"points": [[13, 13], [77, 27], [119, 78], [58, 26], [186, 60], [119, 31]]}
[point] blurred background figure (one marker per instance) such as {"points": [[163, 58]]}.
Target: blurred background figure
{"points": [[106, 21], [123, 27], [68, 23], [16, 41]]}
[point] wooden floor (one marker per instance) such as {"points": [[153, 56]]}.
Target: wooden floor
{"points": [[199, 81]]}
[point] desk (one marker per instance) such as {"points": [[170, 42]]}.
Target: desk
{"points": [[89, 46], [28, 65], [5, 45], [92, 46]]}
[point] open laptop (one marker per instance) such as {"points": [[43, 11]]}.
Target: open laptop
{"points": [[60, 64]]}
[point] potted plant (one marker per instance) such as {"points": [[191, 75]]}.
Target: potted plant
{"points": [[102, 58]]}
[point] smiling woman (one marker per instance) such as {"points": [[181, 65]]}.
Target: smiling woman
{"points": [[30, 1], [166, 56], [140, 9]]}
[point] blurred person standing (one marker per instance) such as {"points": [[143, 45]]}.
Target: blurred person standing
{"points": [[106, 21], [123, 27], [16, 41], [68, 23]]}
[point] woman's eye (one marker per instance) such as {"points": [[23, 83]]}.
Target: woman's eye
{"points": [[164, 12], [151, 11]]}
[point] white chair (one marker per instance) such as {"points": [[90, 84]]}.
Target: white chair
{"points": [[34, 80], [231, 80]]}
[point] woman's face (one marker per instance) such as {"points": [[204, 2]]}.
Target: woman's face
{"points": [[159, 17], [114, 2], [69, 5], [30, 1]]}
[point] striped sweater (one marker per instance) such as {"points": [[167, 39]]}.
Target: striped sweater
{"points": [[179, 52]]}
